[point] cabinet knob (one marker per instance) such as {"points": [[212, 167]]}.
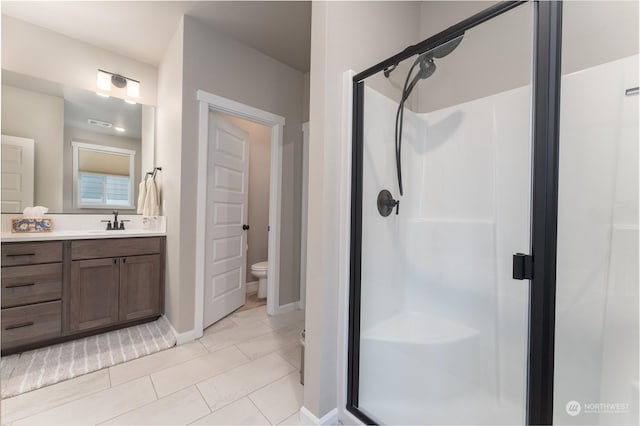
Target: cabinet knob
{"points": [[115, 261]]}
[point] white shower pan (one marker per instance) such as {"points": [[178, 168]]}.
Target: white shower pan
{"points": [[419, 328]]}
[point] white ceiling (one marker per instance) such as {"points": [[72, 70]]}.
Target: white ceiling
{"points": [[142, 29]]}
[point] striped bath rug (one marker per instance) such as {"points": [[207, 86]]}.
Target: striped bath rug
{"points": [[42, 367]]}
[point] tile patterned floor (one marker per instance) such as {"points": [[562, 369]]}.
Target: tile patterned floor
{"points": [[244, 370]]}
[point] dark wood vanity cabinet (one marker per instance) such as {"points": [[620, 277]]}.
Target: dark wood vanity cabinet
{"points": [[139, 290], [32, 281], [54, 291], [94, 292]]}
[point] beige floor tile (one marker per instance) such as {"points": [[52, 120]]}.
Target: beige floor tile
{"points": [[300, 325], [223, 324], [280, 399], [284, 320], [241, 412], [98, 407], [155, 362], [294, 419], [231, 336], [250, 315], [292, 355], [241, 381], [274, 341], [196, 370], [42, 399], [179, 408]]}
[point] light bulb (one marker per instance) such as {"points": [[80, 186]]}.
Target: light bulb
{"points": [[104, 80], [133, 89]]}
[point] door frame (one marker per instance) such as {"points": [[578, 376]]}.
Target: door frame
{"points": [[545, 109], [304, 214], [210, 102]]}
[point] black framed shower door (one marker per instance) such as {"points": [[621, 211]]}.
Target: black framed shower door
{"points": [[544, 204]]}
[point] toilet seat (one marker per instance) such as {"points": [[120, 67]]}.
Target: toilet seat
{"points": [[260, 266]]}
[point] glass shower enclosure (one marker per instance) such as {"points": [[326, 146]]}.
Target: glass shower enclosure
{"points": [[454, 224]]}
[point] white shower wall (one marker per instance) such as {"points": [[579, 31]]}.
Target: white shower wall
{"points": [[596, 358], [440, 314], [443, 324]]}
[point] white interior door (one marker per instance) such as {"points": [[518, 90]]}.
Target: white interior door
{"points": [[17, 173], [226, 215]]}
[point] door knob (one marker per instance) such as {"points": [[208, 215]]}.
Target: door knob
{"points": [[245, 227]]}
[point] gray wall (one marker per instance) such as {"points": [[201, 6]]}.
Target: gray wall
{"points": [[345, 35], [259, 170], [305, 97], [201, 58], [39, 52], [39, 117], [178, 295], [493, 57], [497, 55], [74, 134]]}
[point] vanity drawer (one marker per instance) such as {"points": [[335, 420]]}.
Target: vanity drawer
{"points": [[27, 324], [31, 253], [114, 247], [22, 285]]}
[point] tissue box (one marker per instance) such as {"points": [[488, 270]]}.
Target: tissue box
{"points": [[31, 225]]}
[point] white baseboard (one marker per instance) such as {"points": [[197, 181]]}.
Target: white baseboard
{"points": [[307, 417], [187, 336], [287, 308], [252, 287]]}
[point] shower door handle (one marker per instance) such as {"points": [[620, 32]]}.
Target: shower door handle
{"points": [[522, 266]]}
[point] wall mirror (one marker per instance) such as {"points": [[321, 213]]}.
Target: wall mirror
{"points": [[71, 150]]}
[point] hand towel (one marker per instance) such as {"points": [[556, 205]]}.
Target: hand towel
{"points": [[151, 207], [142, 195]]}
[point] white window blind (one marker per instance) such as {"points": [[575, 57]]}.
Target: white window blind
{"points": [[105, 190]]}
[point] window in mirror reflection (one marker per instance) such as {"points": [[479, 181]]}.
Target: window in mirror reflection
{"points": [[103, 176]]}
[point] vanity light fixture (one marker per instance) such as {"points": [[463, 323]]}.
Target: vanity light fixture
{"points": [[106, 79]]}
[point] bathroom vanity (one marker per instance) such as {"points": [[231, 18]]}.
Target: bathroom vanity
{"points": [[58, 290]]}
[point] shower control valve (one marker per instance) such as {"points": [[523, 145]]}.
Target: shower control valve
{"points": [[386, 203]]}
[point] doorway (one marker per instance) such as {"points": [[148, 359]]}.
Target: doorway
{"points": [[257, 223], [224, 290]]}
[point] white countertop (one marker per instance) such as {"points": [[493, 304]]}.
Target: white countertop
{"points": [[80, 235], [84, 227]]}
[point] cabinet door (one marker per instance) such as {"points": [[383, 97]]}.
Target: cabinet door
{"points": [[139, 287], [94, 293]]}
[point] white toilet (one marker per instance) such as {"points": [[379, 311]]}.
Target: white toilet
{"points": [[259, 270]]}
